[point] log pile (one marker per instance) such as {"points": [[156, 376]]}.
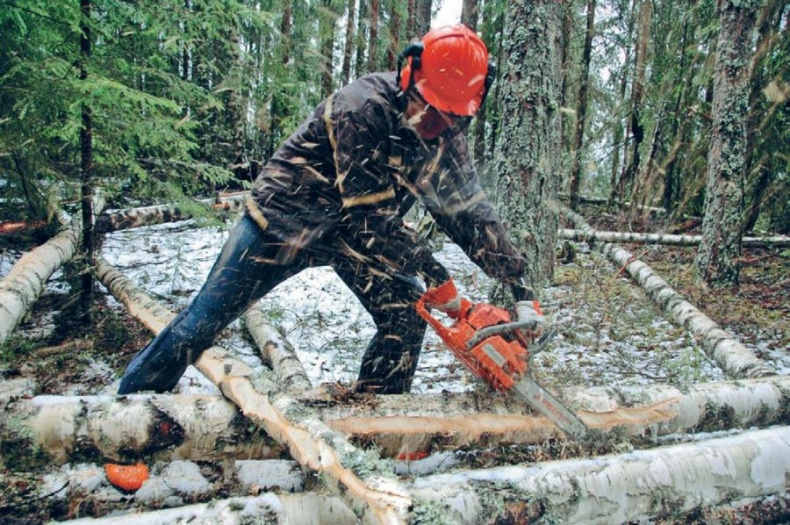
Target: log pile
{"points": [[318, 427]]}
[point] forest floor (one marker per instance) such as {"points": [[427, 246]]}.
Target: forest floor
{"points": [[609, 332]]}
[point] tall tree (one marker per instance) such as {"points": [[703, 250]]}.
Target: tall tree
{"points": [[86, 165], [527, 152], [581, 112], [717, 258]]}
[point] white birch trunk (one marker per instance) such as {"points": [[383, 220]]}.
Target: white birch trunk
{"points": [[277, 352], [734, 358], [161, 427], [26, 280], [664, 482], [776, 241], [205, 427], [347, 470], [150, 215]]}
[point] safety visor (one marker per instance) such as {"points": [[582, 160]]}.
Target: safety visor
{"points": [[432, 122]]}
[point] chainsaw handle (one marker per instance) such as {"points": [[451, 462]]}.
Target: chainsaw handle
{"points": [[437, 325], [501, 328]]}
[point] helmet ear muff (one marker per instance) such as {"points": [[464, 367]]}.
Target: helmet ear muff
{"points": [[413, 51]]}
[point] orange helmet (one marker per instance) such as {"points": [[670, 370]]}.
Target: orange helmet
{"points": [[449, 69]]}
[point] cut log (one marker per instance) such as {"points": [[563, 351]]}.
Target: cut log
{"points": [[734, 358], [26, 280], [60, 429], [665, 482], [776, 241], [150, 215], [367, 483]]}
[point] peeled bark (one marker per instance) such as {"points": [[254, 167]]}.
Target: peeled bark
{"points": [[346, 469], [776, 241], [26, 280], [664, 482], [734, 358]]}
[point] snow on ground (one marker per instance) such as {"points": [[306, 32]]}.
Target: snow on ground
{"points": [[609, 331]]}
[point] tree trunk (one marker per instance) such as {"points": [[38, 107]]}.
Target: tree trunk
{"points": [[636, 128], [531, 127], [60, 429], [86, 168], [469, 13], [717, 258], [422, 21], [25, 281], [373, 28], [664, 238], [327, 19], [167, 427], [660, 483], [348, 49], [581, 113]]}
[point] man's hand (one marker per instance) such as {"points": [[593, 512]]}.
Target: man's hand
{"points": [[445, 298], [529, 312]]}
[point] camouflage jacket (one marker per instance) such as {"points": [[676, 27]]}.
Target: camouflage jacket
{"points": [[353, 169]]}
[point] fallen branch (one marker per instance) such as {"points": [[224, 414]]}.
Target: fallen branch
{"points": [[370, 487]]}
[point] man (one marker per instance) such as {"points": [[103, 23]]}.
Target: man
{"points": [[335, 194]]}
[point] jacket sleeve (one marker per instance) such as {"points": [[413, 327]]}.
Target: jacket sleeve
{"points": [[361, 137], [452, 193]]}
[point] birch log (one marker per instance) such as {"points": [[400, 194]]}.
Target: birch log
{"points": [[369, 486], [26, 280], [734, 358], [776, 241], [71, 428], [665, 482], [60, 429], [277, 352], [150, 215]]}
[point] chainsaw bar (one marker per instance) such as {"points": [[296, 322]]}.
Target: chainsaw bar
{"points": [[541, 400]]}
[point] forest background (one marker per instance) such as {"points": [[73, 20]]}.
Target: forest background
{"points": [[152, 102]]}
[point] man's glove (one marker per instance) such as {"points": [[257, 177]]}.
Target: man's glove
{"points": [[529, 311], [445, 298]]}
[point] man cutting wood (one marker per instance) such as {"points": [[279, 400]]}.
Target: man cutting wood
{"points": [[335, 194]]}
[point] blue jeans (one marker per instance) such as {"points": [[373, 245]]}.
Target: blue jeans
{"points": [[245, 271]]}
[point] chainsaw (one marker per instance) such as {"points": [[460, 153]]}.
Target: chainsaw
{"points": [[489, 344]]}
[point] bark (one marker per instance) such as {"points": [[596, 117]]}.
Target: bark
{"points": [[778, 241], [581, 114], [717, 258], [469, 13], [635, 487], [734, 358], [528, 150], [373, 28], [61, 429], [149, 215], [348, 471], [25, 281]]}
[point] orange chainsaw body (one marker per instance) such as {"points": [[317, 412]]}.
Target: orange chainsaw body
{"points": [[497, 359]]}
